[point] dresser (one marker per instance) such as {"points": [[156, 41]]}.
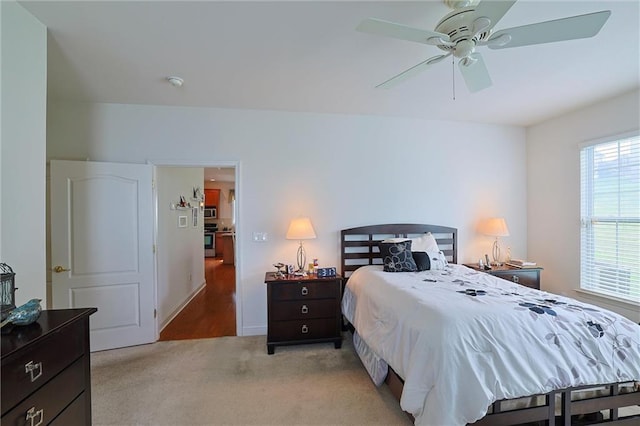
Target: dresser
{"points": [[303, 310], [529, 276], [46, 370]]}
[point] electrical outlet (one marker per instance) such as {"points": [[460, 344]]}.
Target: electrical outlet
{"points": [[260, 237]]}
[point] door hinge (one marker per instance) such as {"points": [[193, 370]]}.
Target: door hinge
{"points": [[154, 249], [153, 184], [155, 313]]}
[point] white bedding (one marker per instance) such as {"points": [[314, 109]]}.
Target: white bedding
{"points": [[468, 339]]}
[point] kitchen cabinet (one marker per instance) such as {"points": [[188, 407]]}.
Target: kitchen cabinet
{"points": [[228, 253], [218, 245], [211, 197]]}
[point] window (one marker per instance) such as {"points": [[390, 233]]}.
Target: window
{"points": [[610, 218]]}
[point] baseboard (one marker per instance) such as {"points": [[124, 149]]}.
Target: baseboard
{"points": [[254, 331], [182, 306]]}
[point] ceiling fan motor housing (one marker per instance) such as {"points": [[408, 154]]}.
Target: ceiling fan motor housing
{"points": [[459, 26]]}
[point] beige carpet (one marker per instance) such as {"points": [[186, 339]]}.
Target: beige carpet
{"points": [[232, 381]]}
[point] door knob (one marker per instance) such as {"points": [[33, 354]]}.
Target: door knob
{"points": [[59, 269]]}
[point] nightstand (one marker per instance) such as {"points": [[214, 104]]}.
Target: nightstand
{"points": [[529, 276], [303, 310]]}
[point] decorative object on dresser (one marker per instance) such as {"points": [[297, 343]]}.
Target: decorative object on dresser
{"points": [[303, 310], [494, 227], [23, 315], [46, 372], [7, 290], [529, 276], [301, 229]]}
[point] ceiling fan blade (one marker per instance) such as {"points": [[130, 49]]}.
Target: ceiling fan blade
{"points": [[404, 75], [475, 73], [494, 10], [399, 31], [575, 27]]}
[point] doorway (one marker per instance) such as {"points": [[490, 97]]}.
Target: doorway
{"points": [[213, 308]]}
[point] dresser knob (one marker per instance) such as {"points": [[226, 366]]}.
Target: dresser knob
{"points": [[30, 367], [305, 329], [304, 309], [32, 414], [515, 279], [304, 290]]}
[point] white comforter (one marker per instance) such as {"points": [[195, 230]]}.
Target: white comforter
{"points": [[469, 339]]}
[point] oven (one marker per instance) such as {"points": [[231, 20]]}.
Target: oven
{"points": [[209, 244], [210, 239]]}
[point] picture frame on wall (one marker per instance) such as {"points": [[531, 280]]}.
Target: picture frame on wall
{"points": [[182, 221]]}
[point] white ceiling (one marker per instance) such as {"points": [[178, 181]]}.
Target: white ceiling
{"points": [[307, 56]]}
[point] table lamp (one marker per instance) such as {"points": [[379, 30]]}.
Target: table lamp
{"points": [[301, 229], [495, 227]]}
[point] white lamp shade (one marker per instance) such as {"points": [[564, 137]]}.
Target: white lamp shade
{"points": [[495, 227], [301, 229]]}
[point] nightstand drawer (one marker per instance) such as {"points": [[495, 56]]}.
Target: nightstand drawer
{"points": [[301, 309], [303, 329], [524, 277], [305, 290]]}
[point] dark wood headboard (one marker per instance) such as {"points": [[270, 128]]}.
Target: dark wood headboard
{"points": [[359, 246]]}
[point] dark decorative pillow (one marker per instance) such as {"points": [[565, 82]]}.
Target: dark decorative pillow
{"points": [[423, 263], [397, 257]]}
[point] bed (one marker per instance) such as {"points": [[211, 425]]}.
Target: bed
{"points": [[457, 346]]}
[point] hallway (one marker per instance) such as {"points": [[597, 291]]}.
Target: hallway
{"points": [[212, 313]]}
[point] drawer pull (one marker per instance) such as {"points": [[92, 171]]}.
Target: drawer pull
{"points": [[32, 414], [305, 329], [515, 279], [30, 367], [304, 309], [304, 290]]}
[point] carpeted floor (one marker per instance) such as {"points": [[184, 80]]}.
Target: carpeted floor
{"points": [[232, 381]]}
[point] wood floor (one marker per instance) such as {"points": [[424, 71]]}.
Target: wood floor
{"points": [[212, 313]]}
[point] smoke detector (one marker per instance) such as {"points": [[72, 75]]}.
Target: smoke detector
{"points": [[175, 81]]}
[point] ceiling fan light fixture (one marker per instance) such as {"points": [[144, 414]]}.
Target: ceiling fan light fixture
{"points": [[464, 48]]}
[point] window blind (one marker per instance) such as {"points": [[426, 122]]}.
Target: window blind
{"points": [[610, 218]]}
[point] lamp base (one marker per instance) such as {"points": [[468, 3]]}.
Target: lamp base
{"points": [[495, 252], [301, 257]]}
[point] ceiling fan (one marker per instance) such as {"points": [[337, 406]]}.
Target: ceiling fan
{"points": [[470, 25]]}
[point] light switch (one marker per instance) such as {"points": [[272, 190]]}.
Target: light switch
{"points": [[260, 237]]}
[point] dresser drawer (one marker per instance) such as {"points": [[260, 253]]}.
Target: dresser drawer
{"points": [[301, 309], [51, 399], [305, 290], [303, 329], [75, 414], [24, 372], [521, 276]]}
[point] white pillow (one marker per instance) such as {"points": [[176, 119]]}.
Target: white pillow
{"points": [[425, 242], [438, 260]]}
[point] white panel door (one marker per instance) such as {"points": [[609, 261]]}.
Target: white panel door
{"points": [[102, 248]]}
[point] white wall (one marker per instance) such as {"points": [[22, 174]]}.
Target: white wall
{"points": [[553, 164], [180, 250], [340, 170], [22, 149]]}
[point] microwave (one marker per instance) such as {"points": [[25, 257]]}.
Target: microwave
{"points": [[210, 213]]}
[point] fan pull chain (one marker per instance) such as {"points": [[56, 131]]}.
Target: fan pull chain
{"points": [[453, 77]]}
